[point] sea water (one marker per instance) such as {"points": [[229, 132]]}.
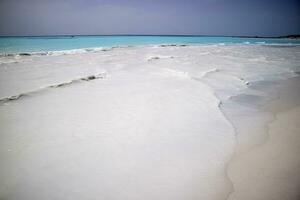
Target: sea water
{"points": [[57, 43]]}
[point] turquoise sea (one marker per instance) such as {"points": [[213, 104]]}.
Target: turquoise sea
{"points": [[56, 43]]}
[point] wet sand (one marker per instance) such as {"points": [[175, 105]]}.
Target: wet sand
{"points": [[270, 170]]}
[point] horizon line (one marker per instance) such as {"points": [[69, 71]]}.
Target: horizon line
{"points": [[160, 35]]}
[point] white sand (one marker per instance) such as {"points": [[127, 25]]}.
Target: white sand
{"points": [[147, 124]]}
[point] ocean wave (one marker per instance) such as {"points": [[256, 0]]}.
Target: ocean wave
{"points": [[60, 52], [98, 49], [81, 50]]}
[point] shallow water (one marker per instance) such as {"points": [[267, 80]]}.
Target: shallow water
{"points": [[267, 163], [57, 43]]}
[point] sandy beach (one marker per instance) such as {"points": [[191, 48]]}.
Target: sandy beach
{"points": [[215, 121]]}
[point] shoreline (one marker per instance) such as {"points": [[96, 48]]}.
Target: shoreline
{"points": [[104, 48], [244, 175], [52, 44]]}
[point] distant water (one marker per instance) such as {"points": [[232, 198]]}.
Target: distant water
{"points": [[56, 43]]}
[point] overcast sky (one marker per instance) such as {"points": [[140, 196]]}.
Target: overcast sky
{"points": [[209, 17]]}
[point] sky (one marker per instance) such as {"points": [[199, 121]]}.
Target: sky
{"points": [[158, 17]]}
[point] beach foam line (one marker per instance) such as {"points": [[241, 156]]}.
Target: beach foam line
{"points": [[227, 164], [82, 50], [235, 132], [86, 78], [99, 49], [109, 48], [62, 52]]}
